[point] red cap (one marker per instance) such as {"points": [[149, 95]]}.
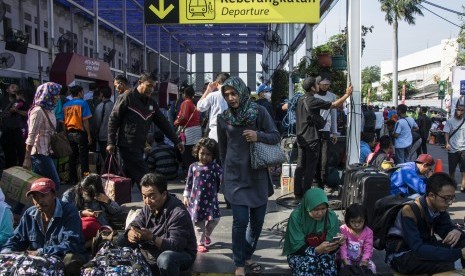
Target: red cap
{"points": [[42, 185], [425, 159]]}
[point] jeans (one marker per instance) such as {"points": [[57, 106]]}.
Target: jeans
{"points": [[43, 165], [402, 155], [245, 234], [169, 262], [307, 161]]}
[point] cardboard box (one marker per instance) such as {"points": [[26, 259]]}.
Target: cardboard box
{"points": [[16, 182], [288, 170], [287, 184]]}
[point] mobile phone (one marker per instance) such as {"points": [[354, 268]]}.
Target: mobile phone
{"points": [[336, 239]]}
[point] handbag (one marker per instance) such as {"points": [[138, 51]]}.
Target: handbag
{"points": [[59, 143], [265, 155], [180, 132]]}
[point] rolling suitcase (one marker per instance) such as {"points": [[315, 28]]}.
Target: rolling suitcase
{"points": [[346, 187], [369, 185]]}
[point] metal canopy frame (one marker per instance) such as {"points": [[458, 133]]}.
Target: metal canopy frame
{"points": [[196, 38]]}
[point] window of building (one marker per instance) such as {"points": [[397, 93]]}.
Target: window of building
{"points": [[28, 30], [91, 52], [7, 7], [45, 24], [91, 42], [104, 47], [61, 30], [86, 40], [120, 64], [7, 22], [36, 36], [36, 20], [86, 51], [46, 39]]}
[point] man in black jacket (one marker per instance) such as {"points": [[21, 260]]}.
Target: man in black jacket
{"points": [[424, 123], [308, 139], [129, 124]]}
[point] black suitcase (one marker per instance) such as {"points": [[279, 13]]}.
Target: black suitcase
{"points": [[366, 187]]}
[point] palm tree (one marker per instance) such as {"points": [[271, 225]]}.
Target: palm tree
{"points": [[398, 10]]}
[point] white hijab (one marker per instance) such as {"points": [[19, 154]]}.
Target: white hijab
{"points": [[3, 204]]}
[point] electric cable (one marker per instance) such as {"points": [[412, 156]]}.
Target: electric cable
{"points": [[461, 27], [444, 8]]}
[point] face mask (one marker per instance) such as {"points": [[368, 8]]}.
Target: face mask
{"points": [[268, 96]]}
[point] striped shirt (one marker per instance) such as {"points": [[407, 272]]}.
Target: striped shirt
{"points": [[40, 131], [162, 160]]}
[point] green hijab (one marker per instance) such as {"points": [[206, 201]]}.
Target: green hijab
{"points": [[247, 112], [300, 223]]}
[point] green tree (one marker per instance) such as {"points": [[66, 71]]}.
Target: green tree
{"points": [[399, 10], [370, 75], [461, 41], [280, 82], [410, 90]]}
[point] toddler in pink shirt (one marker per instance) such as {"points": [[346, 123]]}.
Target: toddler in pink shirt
{"points": [[358, 248]]}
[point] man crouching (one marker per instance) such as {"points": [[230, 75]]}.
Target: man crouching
{"points": [[163, 230]]}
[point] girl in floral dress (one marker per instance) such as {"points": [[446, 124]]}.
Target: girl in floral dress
{"points": [[201, 191]]}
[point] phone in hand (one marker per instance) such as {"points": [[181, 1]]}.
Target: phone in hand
{"points": [[336, 239], [137, 227], [97, 213]]}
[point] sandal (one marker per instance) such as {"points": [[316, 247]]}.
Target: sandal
{"points": [[254, 268], [208, 241]]}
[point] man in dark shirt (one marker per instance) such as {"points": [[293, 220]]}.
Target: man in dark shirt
{"points": [[163, 230], [412, 247], [308, 139], [424, 124], [129, 123]]}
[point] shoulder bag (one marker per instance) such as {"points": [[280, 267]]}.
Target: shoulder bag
{"points": [[457, 129], [316, 119], [265, 155], [59, 143]]}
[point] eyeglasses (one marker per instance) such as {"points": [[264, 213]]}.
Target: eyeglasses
{"points": [[447, 199]]}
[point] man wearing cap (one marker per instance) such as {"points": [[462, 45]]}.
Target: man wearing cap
{"points": [[263, 101], [50, 227], [410, 179], [329, 132]]}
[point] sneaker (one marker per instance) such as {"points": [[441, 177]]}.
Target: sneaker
{"points": [[208, 241], [201, 249]]}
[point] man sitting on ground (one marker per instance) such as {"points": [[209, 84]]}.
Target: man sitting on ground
{"points": [[411, 246], [410, 179], [50, 227], [163, 230]]}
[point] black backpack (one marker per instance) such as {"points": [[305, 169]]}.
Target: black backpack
{"points": [[386, 210]]}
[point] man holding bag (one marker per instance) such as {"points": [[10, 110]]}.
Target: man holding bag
{"points": [[129, 123]]}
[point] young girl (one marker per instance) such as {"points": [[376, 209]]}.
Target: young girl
{"points": [[201, 192], [358, 247]]}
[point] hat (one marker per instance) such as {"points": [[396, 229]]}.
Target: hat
{"points": [[325, 81], [263, 88], [425, 159], [42, 185]]}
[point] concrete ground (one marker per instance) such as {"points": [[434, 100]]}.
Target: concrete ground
{"points": [[218, 261]]}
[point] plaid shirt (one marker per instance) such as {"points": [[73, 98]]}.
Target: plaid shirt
{"points": [[40, 131]]}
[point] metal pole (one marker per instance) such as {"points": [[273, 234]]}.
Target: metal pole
{"points": [[159, 53], [51, 30], [355, 117], [96, 36], [125, 40]]}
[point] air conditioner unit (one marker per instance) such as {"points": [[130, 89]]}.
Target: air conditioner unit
{"points": [[16, 41]]}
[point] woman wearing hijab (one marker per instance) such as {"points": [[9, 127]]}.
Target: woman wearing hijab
{"points": [[247, 190], [308, 243], [39, 132], [6, 220]]}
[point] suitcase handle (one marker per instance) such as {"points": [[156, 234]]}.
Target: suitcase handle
{"points": [[115, 162]]}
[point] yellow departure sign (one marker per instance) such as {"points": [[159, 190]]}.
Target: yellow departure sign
{"points": [[232, 11]]}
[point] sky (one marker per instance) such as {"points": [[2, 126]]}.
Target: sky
{"points": [[428, 30]]}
